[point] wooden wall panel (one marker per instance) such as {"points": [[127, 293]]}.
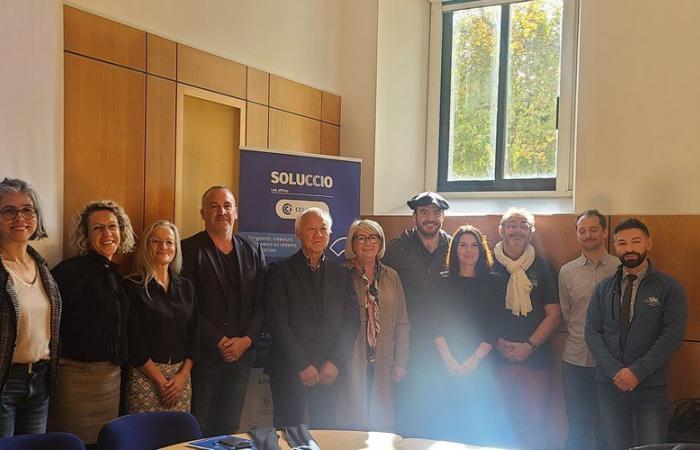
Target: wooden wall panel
{"points": [[212, 72], [258, 86], [257, 125], [104, 137], [683, 370], [330, 108], [97, 37], [330, 139], [160, 150], [161, 56], [293, 132], [295, 97], [675, 250]]}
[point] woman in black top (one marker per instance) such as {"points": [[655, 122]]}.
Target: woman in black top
{"points": [[163, 325], [468, 304], [94, 322]]}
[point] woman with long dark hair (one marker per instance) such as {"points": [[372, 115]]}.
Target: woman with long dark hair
{"points": [[466, 326]]}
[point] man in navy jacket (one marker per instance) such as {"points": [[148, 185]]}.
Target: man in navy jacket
{"points": [[636, 320]]}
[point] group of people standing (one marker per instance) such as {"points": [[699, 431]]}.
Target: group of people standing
{"points": [[475, 365]]}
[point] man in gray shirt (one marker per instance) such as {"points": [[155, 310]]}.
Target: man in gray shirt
{"points": [[577, 279]]}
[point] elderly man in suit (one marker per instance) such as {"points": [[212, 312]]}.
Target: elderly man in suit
{"points": [[228, 273], [312, 316]]}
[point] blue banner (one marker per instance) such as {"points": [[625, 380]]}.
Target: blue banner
{"points": [[275, 187]]}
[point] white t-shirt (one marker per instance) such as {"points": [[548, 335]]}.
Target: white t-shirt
{"points": [[34, 330]]}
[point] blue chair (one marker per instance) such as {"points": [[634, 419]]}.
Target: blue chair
{"points": [[148, 431], [48, 441]]}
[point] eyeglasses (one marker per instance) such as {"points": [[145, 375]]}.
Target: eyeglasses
{"points": [[524, 226], [10, 212], [102, 229], [158, 243], [372, 238]]}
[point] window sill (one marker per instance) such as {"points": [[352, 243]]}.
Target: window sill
{"points": [[496, 203]]}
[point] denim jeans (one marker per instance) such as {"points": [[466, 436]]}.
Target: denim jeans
{"points": [[634, 418], [581, 407], [218, 396], [24, 402]]}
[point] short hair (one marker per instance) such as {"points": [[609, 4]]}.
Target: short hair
{"points": [[368, 226], [17, 186], [217, 187], [593, 213], [318, 212], [632, 223], [144, 269], [519, 212], [78, 236], [485, 262]]}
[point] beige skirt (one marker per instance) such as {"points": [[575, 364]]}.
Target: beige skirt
{"points": [[86, 398], [143, 395]]}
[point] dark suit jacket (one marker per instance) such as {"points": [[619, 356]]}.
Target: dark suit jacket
{"points": [[301, 334], [200, 266]]}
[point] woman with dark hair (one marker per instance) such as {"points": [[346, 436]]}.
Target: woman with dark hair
{"points": [[468, 304], [30, 310], [163, 325], [94, 323]]}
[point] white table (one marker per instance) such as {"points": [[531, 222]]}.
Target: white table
{"points": [[364, 440]]}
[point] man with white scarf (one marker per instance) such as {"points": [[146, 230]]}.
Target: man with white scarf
{"points": [[531, 315]]}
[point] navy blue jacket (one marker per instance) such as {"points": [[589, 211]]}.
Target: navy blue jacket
{"points": [[655, 332]]}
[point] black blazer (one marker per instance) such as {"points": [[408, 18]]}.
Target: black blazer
{"points": [[301, 334], [199, 265]]}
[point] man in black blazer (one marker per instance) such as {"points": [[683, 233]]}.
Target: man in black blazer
{"points": [[228, 273], [312, 316]]}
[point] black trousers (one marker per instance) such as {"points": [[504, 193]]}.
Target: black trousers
{"points": [[291, 400], [218, 396]]}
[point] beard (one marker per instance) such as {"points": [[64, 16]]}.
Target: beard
{"points": [[423, 231], [632, 263]]}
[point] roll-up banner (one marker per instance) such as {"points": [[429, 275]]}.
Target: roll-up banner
{"points": [[276, 186]]}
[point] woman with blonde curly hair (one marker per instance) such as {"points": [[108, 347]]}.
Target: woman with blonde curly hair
{"points": [[94, 322], [163, 325]]}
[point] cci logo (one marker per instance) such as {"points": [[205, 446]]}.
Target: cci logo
{"points": [[290, 209]]}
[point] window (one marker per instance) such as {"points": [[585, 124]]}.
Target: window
{"points": [[502, 88]]}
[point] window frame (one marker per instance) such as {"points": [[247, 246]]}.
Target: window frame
{"points": [[437, 164]]}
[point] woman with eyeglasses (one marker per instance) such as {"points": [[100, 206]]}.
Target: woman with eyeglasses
{"points": [[94, 324], [30, 311], [163, 325], [466, 324], [380, 354]]}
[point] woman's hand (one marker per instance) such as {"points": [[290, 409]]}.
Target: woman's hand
{"points": [[173, 389]]}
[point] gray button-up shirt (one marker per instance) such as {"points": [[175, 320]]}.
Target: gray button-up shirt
{"points": [[577, 279]]}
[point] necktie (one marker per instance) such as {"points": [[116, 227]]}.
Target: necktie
{"points": [[625, 308]]}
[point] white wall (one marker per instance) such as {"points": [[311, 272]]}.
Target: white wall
{"points": [[31, 106], [296, 39], [402, 89], [358, 83], [639, 107]]}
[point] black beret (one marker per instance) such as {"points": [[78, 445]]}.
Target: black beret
{"points": [[428, 198]]}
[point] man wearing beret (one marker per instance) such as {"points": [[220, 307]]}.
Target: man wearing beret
{"points": [[418, 255]]}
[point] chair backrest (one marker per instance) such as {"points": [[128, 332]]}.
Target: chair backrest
{"points": [[47, 441], [147, 431]]}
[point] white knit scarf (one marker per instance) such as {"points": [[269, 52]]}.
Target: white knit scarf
{"points": [[519, 285]]}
